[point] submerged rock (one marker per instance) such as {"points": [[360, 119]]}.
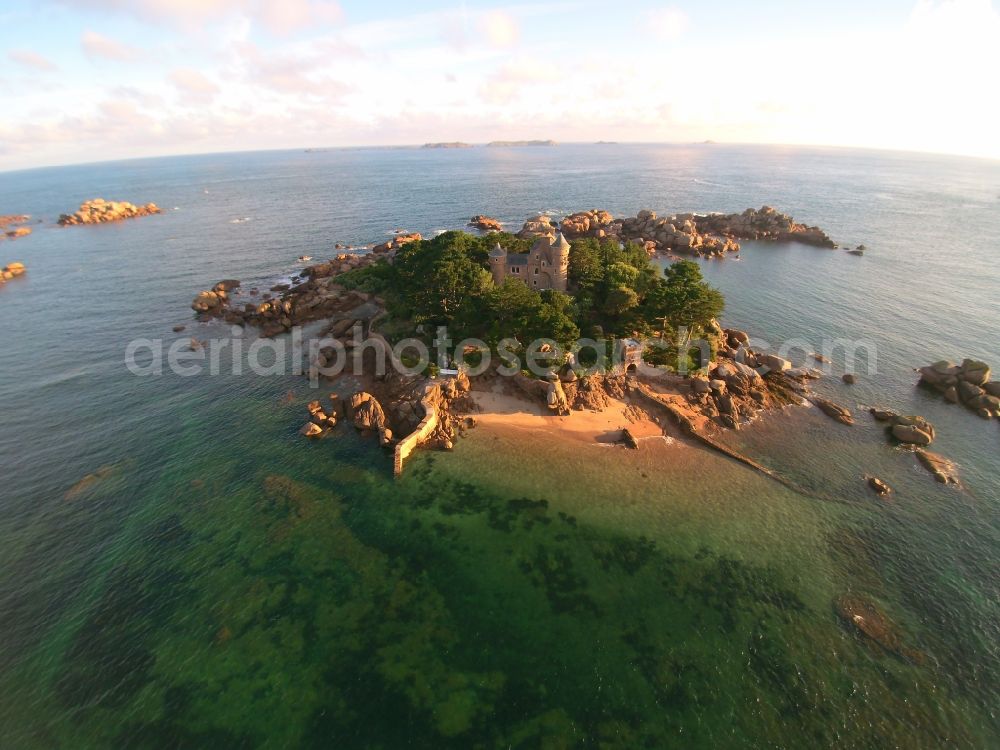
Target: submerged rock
{"points": [[943, 469], [311, 430], [880, 487], [866, 618], [836, 411], [882, 415]]}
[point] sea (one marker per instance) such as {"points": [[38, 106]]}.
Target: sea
{"points": [[180, 569]]}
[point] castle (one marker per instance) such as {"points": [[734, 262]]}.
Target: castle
{"points": [[546, 266]]}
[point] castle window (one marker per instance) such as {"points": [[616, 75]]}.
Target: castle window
{"points": [[536, 272], [543, 264]]}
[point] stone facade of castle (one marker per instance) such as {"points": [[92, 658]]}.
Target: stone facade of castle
{"points": [[546, 266]]}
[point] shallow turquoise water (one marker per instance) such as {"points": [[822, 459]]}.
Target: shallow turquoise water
{"points": [[225, 583]]}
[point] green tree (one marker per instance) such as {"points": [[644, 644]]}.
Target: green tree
{"points": [[620, 300], [586, 270], [684, 299]]}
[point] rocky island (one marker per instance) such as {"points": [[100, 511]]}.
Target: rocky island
{"points": [[589, 274], [100, 211], [447, 144]]}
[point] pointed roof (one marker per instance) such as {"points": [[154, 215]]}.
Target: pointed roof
{"points": [[497, 251], [560, 242], [542, 242]]}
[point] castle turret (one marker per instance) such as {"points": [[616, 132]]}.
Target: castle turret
{"points": [[498, 263], [560, 263]]}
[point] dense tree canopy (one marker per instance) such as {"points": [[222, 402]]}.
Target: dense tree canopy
{"points": [[615, 290]]}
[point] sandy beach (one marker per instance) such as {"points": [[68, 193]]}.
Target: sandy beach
{"points": [[499, 409]]}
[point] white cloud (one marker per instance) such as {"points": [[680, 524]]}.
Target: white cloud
{"points": [[99, 46], [32, 60], [515, 72], [276, 16], [193, 84]]}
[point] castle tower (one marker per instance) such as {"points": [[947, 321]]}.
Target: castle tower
{"points": [[560, 263], [498, 264]]}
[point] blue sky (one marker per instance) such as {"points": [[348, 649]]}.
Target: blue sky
{"points": [[82, 80]]}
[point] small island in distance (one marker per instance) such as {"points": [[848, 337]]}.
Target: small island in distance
{"points": [[448, 144]]}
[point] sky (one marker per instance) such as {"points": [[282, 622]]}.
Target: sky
{"points": [[94, 80]]}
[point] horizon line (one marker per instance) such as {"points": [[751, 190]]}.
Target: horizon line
{"points": [[543, 143]]}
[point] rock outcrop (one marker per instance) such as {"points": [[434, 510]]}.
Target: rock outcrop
{"points": [[738, 385], [968, 384], [910, 430], [537, 226], [316, 297], [628, 439], [677, 234], [11, 271], [764, 223], [100, 211], [712, 235], [396, 242], [214, 299], [555, 396], [320, 421], [593, 223], [486, 223], [368, 415]]}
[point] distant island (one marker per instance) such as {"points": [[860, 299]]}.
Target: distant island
{"points": [[522, 143], [448, 144], [606, 143]]}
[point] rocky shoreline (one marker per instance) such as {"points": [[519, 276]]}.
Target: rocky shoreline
{"points": [[316, 296], [100, 211], [709, 235], [737, 387]]}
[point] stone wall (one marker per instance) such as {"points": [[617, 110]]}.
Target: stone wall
{"points": [[406, 446]]}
